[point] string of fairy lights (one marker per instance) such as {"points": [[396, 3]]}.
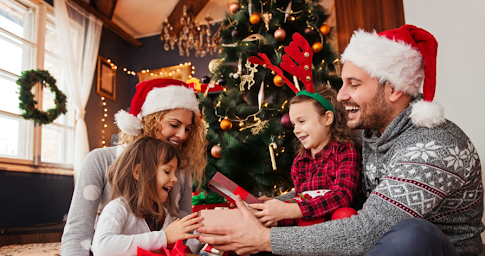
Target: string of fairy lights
{"points": [[154, 74]]}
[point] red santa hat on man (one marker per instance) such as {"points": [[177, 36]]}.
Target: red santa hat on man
{"points": [[405, 57], [153, 96]]}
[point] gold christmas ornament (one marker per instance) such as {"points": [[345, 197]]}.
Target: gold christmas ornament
{"points": [[254, 19], [325, 29], [215, 65], [317, 47], [278, 81], [226, 124]]}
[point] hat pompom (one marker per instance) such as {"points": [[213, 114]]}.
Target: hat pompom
{"points": [[427, 114], [128, 123]]}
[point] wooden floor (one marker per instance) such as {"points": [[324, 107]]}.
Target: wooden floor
{"points": [[47, 233]]}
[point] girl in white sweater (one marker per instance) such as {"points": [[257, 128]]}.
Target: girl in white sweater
{"points": [[141, 179]]}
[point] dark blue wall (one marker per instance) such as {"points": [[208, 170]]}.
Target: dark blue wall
{"points": [[32, 198]]}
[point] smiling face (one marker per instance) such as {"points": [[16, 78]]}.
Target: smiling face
{"points": [[311, 128], [175, 126], [166, 178], [364, 99]]}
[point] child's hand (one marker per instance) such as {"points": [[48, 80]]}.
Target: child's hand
{"points": [[264, 198], [180, 228], [274, 210]]}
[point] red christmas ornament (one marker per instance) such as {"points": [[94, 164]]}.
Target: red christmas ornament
{"points": [[344, 212], [285, 122], [280, 34], [216, 151], [226, 124], [234, 7]]}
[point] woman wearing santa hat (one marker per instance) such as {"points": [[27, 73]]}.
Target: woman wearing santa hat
{"points": [[165, 109], [421, 172]]}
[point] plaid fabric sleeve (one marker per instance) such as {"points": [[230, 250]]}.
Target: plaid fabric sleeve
{"points": [[343, 188]]}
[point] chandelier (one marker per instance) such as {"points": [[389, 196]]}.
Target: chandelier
{"points": [[191, 36]]}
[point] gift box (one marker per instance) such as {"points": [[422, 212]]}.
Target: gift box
{"points": [[228, 189]]}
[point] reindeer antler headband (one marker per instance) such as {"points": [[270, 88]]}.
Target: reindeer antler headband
{"points": [[298, 62]]}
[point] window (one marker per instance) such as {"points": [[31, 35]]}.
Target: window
{"points": [[28, 40]]}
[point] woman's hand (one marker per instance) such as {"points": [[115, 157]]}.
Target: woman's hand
{"points": [[264, 198], [180, 228], [274, 210]]}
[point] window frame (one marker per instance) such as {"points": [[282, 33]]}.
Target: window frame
{"points": [[34, 164]]}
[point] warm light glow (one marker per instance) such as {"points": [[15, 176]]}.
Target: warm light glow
{"points": [[105, 115], [125, 69], [105, 125], [102, 120], [105, 110], [104, 142], [108, 60], [104, 103]]}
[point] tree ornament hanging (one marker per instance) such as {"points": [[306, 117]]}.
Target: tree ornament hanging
{"points": [[285, 122], [222, 81], [205, 80], [234, 7], [308, 32], [248, 78], [272, 146], [325, 29], [27, 103], [226, 124], [235, 33], [216, 151], [317, 47], [278, 81], [215, 65], [280, 34], [254, 19]]}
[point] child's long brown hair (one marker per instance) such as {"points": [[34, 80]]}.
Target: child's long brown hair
{"points": [[193, 150], [339, 131], [141, 194]]}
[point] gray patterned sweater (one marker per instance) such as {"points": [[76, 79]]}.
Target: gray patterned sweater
{"points": [[434, 174]]}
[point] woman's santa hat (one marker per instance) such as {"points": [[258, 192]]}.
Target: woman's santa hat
{"points": [[153, 96], [405, 57]]}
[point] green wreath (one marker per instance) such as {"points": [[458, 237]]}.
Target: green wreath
{"points": [[27, 103]]}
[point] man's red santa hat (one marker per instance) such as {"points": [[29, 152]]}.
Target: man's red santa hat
{"points": [[404, 57], [153, 96]]}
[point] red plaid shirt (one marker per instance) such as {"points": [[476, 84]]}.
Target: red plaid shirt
{"points": [[337, 167]]}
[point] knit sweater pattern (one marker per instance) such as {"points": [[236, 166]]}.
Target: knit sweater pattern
{"points": [[408, 172]]}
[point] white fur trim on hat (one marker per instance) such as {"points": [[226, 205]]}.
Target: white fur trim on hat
{"points": [[128, 123], [170, 97], [386, 60], [427, 114]]}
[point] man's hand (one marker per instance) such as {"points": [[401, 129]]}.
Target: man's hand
{"points": [[246, 236], [180, 228], [274, 210]]}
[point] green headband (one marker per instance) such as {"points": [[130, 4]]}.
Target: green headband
{"points": [[318, 98]]}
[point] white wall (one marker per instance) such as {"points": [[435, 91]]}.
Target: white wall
{"points": [[459, 27]]}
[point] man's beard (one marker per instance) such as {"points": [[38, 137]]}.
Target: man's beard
{"points": [[377, 114]]}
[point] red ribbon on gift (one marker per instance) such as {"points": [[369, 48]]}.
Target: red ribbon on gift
{"points": [[238, 191], [178, 249]]}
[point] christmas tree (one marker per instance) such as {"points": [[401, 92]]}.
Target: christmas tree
{"points": [[248, 128]]}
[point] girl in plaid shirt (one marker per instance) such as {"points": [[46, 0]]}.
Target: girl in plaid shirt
{"points": [[141, 179], [326, 170]]}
